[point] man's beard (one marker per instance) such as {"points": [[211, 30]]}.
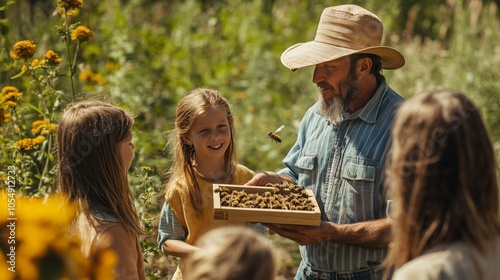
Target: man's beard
{"points": [[333, 109]]}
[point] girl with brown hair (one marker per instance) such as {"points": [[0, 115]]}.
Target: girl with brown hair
{"points": [[442, 178], [94, 154]]}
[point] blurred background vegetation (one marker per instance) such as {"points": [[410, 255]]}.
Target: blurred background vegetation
{"points": [[147, 54]]}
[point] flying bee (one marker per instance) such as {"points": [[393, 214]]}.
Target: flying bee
{"points": [[274, 135]]}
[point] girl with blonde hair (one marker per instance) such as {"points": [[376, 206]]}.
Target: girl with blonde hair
{"points": [[441, 174], [204, 152], [94, 154]]}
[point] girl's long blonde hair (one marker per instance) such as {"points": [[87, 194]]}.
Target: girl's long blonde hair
{"points": [[189, 108], [441, 172], [91, 173]]}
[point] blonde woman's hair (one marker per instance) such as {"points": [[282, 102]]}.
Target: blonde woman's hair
{"points": [[189, 108], [231, 253], [441, 172], [91, 173]]}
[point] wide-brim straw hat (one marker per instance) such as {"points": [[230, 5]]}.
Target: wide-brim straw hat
{"points": [[343, 30]]}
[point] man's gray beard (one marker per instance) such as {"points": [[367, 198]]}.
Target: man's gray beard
{"points": [[332, 110]]}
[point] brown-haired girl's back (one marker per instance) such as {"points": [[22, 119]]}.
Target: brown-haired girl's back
{"points": [[94, 154], [442, 175]]}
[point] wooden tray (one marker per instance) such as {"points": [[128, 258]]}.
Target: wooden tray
{"points": [[259, 215]]}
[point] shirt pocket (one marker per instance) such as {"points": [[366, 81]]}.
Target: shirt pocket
{"points": [[359, 172], [307, 170], [357, 192]]}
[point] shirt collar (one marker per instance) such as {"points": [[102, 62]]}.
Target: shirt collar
{"points": [[104, 216]]}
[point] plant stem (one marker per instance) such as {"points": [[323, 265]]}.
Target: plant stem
{"points": [[47, 161], [70, 63]]}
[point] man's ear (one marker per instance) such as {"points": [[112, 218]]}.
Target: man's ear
{"points": [[364, 66]]}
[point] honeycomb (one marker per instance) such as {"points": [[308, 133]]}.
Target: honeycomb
{"points": [[281, 197]]}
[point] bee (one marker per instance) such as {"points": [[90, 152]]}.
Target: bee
{"points": [[274, 135]]}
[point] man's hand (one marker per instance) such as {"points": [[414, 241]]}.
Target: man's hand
{"points": [[373, 234], [262, 178], [303, 235]]}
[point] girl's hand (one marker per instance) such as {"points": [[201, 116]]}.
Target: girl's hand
{"points": [[178, 248]]}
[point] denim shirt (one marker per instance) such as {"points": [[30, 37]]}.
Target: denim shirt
{"points": [[343, 165]]}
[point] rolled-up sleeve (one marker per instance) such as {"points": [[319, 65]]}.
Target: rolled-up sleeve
{"points": [[169, 227]]}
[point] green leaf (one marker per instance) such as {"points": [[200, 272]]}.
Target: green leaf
{"points": [[20, 74], [34, 108], [3, 8], [74, 25]]}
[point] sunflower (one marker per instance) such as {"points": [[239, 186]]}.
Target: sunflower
{"points": [[82, 33], [70, 4], [52, 57], [23, 50]]}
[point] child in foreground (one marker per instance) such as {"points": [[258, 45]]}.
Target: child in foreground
{"points": [[232, 253], [94, 154], [204, 153], [441, 173]]}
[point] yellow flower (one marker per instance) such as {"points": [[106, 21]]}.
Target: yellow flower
{"points": [[89, 77], [98, 79], [10, 104], [8, 89], [52, 57], [43, 248], [10, 93], [23, 50], [82, 33], [24, 69], [37, 62], [27, 144], [240, 95], [70, 4], [112, 66], [11, 96], [4, 116], [63, 12], [86, 76], [43, 127]]}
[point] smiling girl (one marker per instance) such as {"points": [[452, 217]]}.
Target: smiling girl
{"points": [[204, 152]]}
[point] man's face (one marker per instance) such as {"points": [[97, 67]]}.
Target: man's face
{"points": [[338, 86]]}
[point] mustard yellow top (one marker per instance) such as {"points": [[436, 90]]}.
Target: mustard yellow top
{"points": [[195, 224]]}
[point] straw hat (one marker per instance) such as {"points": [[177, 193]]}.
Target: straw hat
{"points": [[342, 31]]}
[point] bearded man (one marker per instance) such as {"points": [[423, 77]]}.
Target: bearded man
{"points": [[341, 146]]}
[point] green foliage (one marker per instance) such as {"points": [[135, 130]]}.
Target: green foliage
{"points": [[29, 135], [146, 187], [147, 54]]}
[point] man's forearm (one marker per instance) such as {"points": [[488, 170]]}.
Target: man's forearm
{"points": [[376, 233]]}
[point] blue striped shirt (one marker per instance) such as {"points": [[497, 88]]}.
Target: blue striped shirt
{"points": [[169, 227], [343, 165]]}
